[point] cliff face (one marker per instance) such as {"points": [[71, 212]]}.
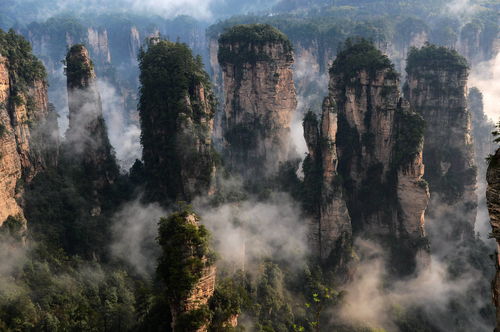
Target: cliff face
{"points": [[177, 107], [493, 199], [436, 89], [86, 138], [331, 231], [187, 269], [203, 289], [259, 97], [98, 42], [28, 144], [379, 143]]}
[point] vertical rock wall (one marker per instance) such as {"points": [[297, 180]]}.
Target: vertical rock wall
{"points": [[28, 132], [177, 108], [379, 143], [493, 199], [87, 140], [259, 96], [436, 89]]}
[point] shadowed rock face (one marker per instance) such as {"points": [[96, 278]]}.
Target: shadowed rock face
{"points": [[177, 108], [436, 89], [86, 138], [379, 145], [493, 201], [28, 131], [330, 228], [259, 98]]}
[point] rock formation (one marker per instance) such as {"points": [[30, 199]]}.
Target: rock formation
{"points": [[177, 107], [28, 127], [259, 96], [493, 199], [331, 231], [379, 145], [188, 270], [436, 89], [87, 140]]}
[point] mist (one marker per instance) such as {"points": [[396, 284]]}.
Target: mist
{"points": [[135, 228], [486, 77], [205, 10], [254, 230], [376, 301], [124, 135]]}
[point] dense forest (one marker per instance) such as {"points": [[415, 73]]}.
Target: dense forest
{"points": [[304, 165]]}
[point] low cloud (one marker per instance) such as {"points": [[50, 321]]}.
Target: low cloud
{"points": [[124, 134], [135, 229], [255, 230]]}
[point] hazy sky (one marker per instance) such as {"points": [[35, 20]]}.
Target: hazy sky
{"points": [[29, 10]]}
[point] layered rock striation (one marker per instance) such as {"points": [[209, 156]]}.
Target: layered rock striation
{"points": [[177, 108], [436, 89], [28, 127], [379, 145], [259, 96]]}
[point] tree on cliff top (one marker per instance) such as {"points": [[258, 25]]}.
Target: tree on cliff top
{"points": [[360, 55], [435, 57], [250, 39]]}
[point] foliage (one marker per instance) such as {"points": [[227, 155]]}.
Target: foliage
{"points": [[250, 40], [409, 139], [432, 57], [360, 55], [185, 253], [174, 133], [54, 292], [496, 133], [224, 304], [77, 68], [24, 67]]}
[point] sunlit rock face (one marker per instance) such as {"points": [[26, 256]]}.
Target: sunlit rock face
{"points": [[493, 199], [28, 129], [259, 96], [379, 145], [436, 89], [87, 140]]}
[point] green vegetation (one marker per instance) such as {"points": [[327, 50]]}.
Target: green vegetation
{"points": [[432, 57], [409, 139], [24, 67], [186, 253], [76, 67], [361, 55], [251, 40], [175, 133]]}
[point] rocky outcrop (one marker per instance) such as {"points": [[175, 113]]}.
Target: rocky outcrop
{"points": [[187, 269], [98, 42], [379, 144], [493, 199], [436, 89], [259, 97], [482, 127], [177, 107], [478, 41], [330, 231], [28, 131], [87, 141]]}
